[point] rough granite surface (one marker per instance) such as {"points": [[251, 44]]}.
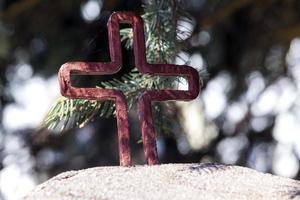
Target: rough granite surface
{"points": [[167, 182]]}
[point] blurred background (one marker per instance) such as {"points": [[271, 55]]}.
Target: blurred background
{"points": [[248, 112]]}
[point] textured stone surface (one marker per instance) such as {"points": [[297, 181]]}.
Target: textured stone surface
{"points": [[171, 181]]}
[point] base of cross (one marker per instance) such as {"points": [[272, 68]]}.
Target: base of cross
{"points": [[170, 181]]}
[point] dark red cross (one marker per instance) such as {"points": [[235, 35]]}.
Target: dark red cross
{"points": [[145, 99]]}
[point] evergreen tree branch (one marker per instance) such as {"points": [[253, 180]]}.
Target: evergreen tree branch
{"points": [[160, 23]]}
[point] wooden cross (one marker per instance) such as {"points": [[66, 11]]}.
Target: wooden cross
{"points": [[145, 99]]}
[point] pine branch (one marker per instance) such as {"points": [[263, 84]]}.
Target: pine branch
{"points": [[160, 23]]}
